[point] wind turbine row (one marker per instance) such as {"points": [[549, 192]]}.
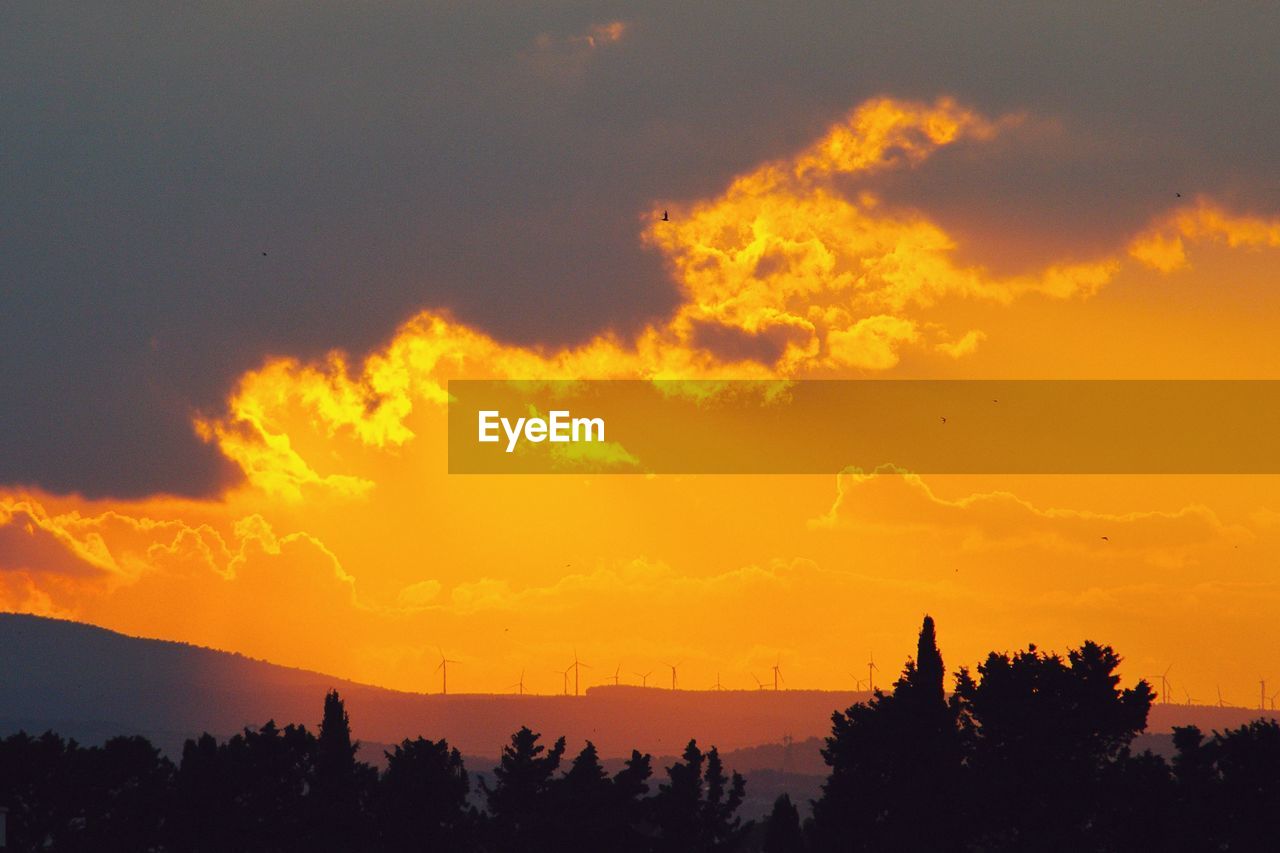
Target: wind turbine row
{"points": [[578, 665]]}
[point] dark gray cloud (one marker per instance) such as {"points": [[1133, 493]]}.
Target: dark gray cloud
{"points": [[394, 156]]}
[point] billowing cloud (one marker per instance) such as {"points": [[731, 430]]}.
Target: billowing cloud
{"points": [[792, 271], [344, 546], [218, 183]]}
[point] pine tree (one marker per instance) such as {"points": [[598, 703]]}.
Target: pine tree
{"points": [[782, 832], [895, 764], [929, 669], [340, 785], [519, 802], [696, 809]]}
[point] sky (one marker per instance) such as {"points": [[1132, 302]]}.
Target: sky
{"points": [[246, 244]]}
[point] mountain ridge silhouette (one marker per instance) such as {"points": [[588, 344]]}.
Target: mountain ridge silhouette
{"points": [[91, 683]]}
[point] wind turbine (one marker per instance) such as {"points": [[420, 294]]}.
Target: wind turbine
{"points": [[777, 672], [759, 683], [1262, 694], [519, 684], [564, 673], [576, 665], [616, 673], [857, 682], [1221, 704], [644, 677], [673, 673], [717, 686], [871, 673], [1164, 685], [1273, 699], [443, 669]]}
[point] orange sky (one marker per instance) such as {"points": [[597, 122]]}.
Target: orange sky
{"points": [[348, 549]]}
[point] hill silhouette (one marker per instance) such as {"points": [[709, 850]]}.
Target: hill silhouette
{"points": [[92, 683], [1033, 750]]}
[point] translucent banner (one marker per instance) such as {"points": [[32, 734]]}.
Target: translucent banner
{"points": [[823, 427]]}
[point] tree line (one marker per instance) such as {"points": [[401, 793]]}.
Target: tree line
{"points": [[1032, 751]]}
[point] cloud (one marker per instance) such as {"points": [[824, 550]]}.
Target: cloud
{"points": [[719, 590], [226, 242], [565, 57], [966, 344], [406, 157], [419, 595], [1163, 246], [793, 270], [889, 502]]}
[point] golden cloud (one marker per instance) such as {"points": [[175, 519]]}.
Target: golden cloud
{"points": [[1163, 245], [794, 270]]}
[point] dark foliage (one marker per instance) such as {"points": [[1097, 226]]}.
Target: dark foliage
{"points": [[694, 810], [1030, 753], [62, 796], [422, 799], [1033, 754], [895, 766], [782, 832]]}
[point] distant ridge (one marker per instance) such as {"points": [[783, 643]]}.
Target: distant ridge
{"points": [[91, 683]]}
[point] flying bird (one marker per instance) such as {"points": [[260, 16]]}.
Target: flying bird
{"points": [[1179, 195], [1106, 538], [665, 218], [944, 420]]}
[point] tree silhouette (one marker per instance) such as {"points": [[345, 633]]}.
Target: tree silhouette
{"points": [[1031, 753], [341, 786], [1040, 735], [895, 766], [1136, 811], [1198, 816], [696, 809], [251, 792], [126, 787], [34, 787], [66, 797], [518, 800], [631, 808], [422, 799], [782, 832], [1248, 773], [582, 808]]}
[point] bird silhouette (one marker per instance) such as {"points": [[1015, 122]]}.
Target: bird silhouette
{"points": [[1179, 195], [1106, 538], [944, 420], [665, 218]]}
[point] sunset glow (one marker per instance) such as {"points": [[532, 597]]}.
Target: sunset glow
{"points": [[344, 546]]}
